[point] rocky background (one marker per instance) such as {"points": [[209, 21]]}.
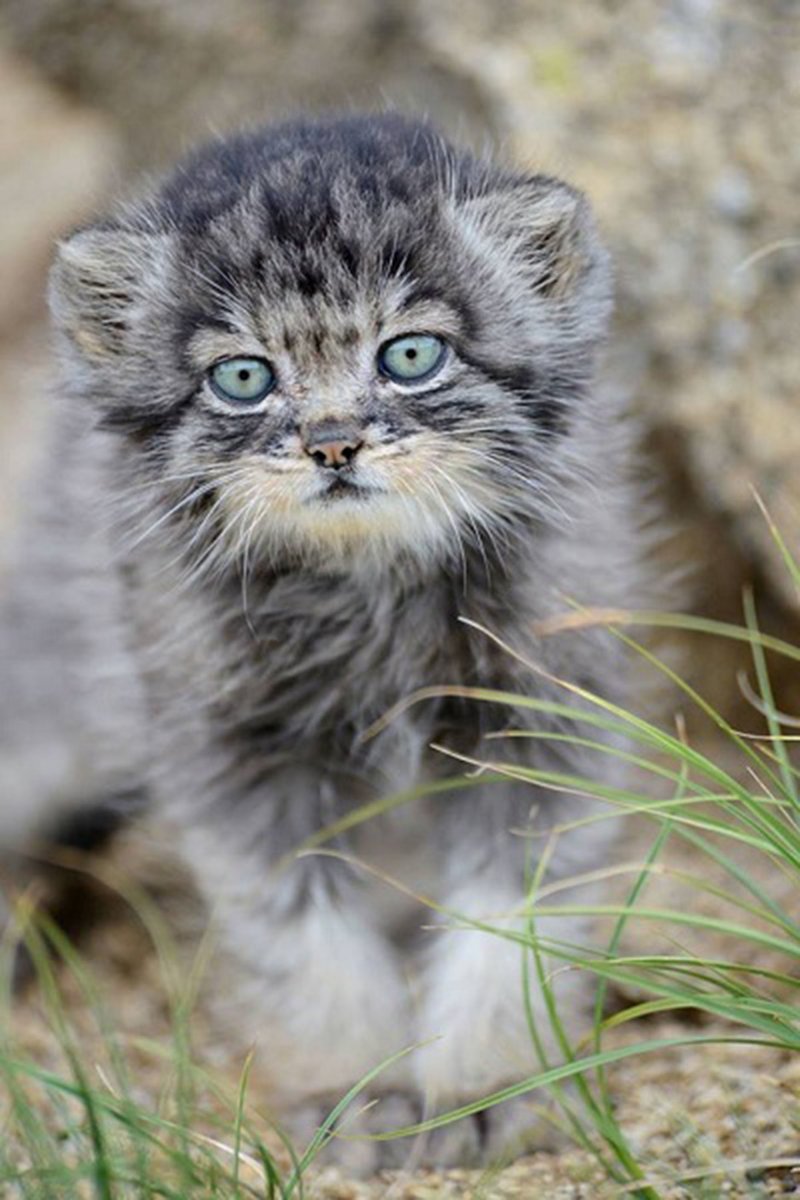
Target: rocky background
{"points": [[680, 117]]}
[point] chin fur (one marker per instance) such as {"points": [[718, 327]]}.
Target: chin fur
{"points": [[266, 521]]}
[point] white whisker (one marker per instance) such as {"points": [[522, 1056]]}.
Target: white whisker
{"points": [[195, 494]]}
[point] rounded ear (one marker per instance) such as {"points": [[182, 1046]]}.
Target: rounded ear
{"points": [[96, 280], [545, 229]]}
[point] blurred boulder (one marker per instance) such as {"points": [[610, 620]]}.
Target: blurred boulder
{"points": [[681, 120], [55, 162], [172, 73]]}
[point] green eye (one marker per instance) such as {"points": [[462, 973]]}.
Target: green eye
{"points": [[242, 380], [413, 357]]}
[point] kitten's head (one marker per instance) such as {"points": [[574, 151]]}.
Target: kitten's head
{"points": [[353, 342]]}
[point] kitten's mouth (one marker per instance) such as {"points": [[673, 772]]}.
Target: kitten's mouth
{"points": [[343, 488]]}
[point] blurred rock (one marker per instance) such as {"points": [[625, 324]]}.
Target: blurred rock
{"points": [[681, 121], [679, 117], [55, 160], [172, 73], [733, 195]]}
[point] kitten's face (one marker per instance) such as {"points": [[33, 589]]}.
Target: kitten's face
{"points": [[342, 361], [350, 450]]}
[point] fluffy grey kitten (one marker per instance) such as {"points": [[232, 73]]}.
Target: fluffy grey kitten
{"points": [[326, 392]]}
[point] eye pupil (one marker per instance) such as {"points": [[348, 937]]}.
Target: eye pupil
{"points": [[244, 375]]}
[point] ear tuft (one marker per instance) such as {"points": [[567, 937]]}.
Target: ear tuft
{"points": [[95, 281]]}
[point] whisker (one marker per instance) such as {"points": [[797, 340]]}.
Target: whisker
{"points": [[429, 484], [466, 512], [182, 503]]}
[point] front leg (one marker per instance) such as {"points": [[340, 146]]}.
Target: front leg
{"points": [[475, 1002], [311, 980]]}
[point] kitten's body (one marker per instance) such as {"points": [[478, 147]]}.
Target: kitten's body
{"points": [[228, 630]]}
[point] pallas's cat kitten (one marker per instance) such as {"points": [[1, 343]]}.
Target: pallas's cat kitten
{"points": [[326, 417]]}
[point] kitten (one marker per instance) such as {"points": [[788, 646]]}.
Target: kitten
{"points": [[328, 390]]}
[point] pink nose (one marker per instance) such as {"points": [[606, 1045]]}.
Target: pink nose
{"points": [[333, 451]]}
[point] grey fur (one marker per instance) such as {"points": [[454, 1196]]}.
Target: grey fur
{"points": [[216, 626]]}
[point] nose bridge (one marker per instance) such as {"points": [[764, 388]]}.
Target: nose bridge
{"points": [[323, 402], [331, 427], [330, 423]]}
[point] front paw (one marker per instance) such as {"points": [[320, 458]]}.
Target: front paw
{"points": [[351, 1145], [494, 1136]]}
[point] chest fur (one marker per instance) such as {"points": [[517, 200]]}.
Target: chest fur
{"points": [[306, 661], [332, 664]]}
